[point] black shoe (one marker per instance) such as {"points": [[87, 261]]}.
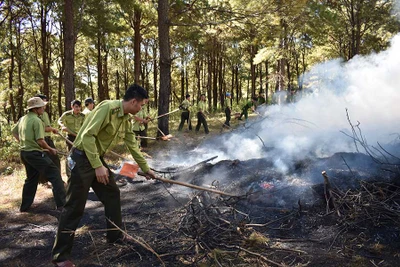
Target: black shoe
{"points": [[24, 209]]}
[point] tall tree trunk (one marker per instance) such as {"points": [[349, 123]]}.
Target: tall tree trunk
{"points": [[117, 89], [210, 75], [182, 83], [253, 74], [89, 76], [11, 114], [100, 68], [220, 79], [238, 92], [214, 60], [61, 72], [165, 64], [289, 75], [266, 81], [232, 78], [69, 53], [261, 77], [126, 71], [45, 42], [106, 89], [20, 63], [136, 43], [198, 74], [155, 75]]}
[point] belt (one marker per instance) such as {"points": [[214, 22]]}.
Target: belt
{"points": [[79, 152]]}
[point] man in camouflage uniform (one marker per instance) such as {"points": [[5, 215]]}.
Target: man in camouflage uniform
{"points": [[109, 120], [29, 131]]}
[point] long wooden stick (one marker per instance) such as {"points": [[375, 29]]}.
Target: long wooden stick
{"points": [[179, 183], [66, 139], [162, 115], [189, 185]]}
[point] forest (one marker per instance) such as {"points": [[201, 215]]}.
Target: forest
{"points": [[88, 48], [310, 183]]}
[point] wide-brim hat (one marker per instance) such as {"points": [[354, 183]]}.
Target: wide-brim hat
{"points": [[35, 102]]}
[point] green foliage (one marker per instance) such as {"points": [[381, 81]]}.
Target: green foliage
{"points": [[9, 147], [209, 39]]}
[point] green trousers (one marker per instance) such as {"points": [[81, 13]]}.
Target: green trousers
{"points": [[83, 177], [38, 164]]}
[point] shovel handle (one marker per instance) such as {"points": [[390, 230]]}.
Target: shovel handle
{"points": [[190, 185]]}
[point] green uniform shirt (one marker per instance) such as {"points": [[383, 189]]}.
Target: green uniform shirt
{"points": [[186, 104], [104, 124], [202, 106], [248, 105], [29, 128], [228, 103], [71, 121], [46, 120], [137, 125]]}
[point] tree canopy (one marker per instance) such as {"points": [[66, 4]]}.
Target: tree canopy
{"points": [[213, 46]]}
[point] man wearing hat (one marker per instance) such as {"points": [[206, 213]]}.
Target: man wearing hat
{"points": [[89, 105], [185, 115], [29, 132], [48, 129]]}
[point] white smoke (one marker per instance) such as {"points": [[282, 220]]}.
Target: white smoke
{"points": [[396, 9], [367, 86]]}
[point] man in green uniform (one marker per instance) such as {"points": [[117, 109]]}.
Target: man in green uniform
{"points": [[48, 129], [249, 105], [108, 120], [185, 115], [71, 121], [89, 105], [201, 116], [29, 131], [139, 126], [228, 110], [261, 98]]}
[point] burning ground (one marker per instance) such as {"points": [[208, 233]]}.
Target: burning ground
{"points": [[350, 217]]}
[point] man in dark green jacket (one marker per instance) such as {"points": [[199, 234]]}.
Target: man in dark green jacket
{"points": [[109, 120]]}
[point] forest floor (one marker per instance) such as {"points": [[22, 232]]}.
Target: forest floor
{"points": [[177, 229]]}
